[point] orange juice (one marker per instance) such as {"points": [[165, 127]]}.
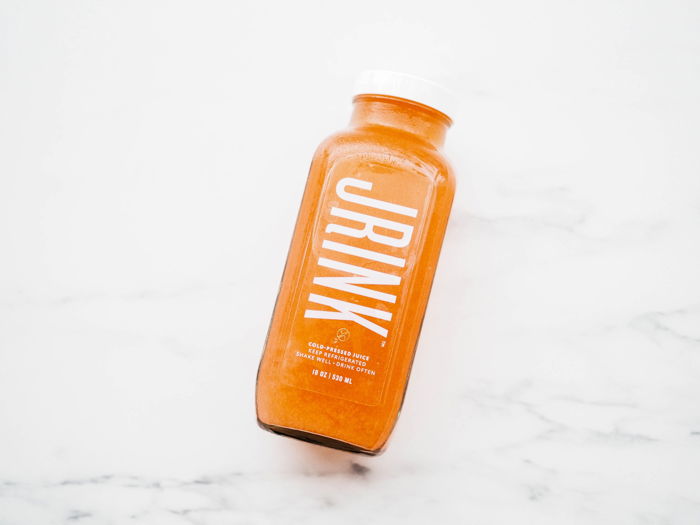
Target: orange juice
{"points": [[359, 271]]}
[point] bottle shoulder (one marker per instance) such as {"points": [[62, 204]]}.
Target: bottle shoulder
{"points": [[399, 150]]}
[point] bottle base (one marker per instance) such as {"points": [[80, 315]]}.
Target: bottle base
{"points": [[317, 439]]}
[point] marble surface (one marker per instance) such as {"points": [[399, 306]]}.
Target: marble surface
{"points": [[152, 160]]}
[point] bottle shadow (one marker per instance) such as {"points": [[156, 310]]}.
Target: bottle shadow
{"points": [[317, 460]]}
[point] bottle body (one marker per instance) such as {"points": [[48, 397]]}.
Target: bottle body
{"points": [[358, 275]]}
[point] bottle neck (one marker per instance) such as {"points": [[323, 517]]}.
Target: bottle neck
{"points": [[411, 117]]}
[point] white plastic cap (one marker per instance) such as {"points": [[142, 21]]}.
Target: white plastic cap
{"points": [[409, 87]]}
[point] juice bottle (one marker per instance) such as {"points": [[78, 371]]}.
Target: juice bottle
{"points": [[359, 270]]}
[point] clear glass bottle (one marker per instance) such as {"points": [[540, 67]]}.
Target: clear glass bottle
{"points": [[359, 271]]}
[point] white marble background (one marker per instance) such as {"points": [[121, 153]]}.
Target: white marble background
{"points": [[152, 155]]}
